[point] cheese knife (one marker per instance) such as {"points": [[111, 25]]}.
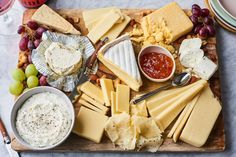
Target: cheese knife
{"points": [[84, 75], [7, 140]]}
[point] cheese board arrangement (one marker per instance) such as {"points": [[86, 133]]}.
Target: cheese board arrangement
{"points": [[136, 79]]}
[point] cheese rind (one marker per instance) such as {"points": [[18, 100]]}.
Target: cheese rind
{"points": [[90, 124], [107, 87], [202, 119], [46, 16], [93, 91], [122, 98]]}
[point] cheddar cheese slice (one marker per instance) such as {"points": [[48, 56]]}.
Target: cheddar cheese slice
{"points": [[107, 87], [122, 98], [113, 103], [90, 106]]}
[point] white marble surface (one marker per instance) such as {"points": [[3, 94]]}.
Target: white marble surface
{"points": [[227, 56]]}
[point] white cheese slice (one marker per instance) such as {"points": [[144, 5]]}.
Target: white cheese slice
{"points": [[205, 68], [188, 44], [119, 57], [190, 58]]}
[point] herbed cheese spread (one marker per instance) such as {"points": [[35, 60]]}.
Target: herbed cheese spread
{"points": [[43, 120]]}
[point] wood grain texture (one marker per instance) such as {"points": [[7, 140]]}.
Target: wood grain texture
{"points": [[216, 140]]}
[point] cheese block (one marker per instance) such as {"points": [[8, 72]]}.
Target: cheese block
{"points": [[94, 102], [90, 106], [118, 56], [93, 91], [139, 109], [122, 98], [104, 25], [170, 19], [202, 119], [107, 87], [113, 103], [164, 119], [90, 124], [46, 16]]}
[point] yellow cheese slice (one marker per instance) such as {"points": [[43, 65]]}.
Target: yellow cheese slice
{"points": [[94, 102], [122, 98], [46, 16], [202, 119], [164, 119], [182, 118], [113, 103], [90, 124], [92, 91], [107, 87], [139, 109], [90, 106], [103, 26]]}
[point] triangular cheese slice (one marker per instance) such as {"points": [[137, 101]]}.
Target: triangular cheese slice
{"points": [[118, 56]]}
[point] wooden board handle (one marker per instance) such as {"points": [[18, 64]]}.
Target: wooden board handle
{"points": [[3, 129]]}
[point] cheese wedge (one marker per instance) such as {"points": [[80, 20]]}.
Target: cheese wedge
{"points": [[46, 16], [202, 119], [107, 87], [92, 91], [122, 98], [164, 119], [104, 25], [118, 56], [113, 103], [94, 102], [90, 106], [90, 124]]}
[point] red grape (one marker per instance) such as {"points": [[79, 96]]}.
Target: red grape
{"points": [[43, 81], [211, 30], [205, 12], [208, 20], [197, 29], [37, 36], [31, 45], [23, 45], [194, 19], [21, 29], [37, 42], [197, 12], [40, 30], [32, 25], [195, 6], [203, 32]]}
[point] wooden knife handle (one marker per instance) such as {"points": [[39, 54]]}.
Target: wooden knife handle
{"points": [[93, 58], [3, 129]]}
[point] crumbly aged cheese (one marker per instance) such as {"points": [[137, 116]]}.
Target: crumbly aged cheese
{"points": [[94, 102], [122, 98], [104, 25], [202, 119], [107, 87], [90, 124], [191, 58], [188, 44], [90, 106], [118, 56], [113, 104], [93, 91], [205, 68], [164, 119], [139, 109], [46, 16]]}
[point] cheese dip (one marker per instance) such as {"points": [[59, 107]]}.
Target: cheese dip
{"points": [[43, 120]]}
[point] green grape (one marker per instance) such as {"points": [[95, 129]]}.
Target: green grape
{"points": [[25, 90], [32, 81], [16, 88], [31, 70], [18, 75]]}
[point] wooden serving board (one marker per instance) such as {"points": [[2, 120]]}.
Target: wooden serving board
{"points": [[216, 140]]}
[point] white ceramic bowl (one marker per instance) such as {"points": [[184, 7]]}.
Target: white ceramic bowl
{"points": [[23, 97], [156, 49]]}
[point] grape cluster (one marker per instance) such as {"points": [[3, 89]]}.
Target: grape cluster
{"points": [[202, 21]]}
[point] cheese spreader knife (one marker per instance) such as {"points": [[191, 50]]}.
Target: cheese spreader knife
{"points": [[7, 140], [84, 75]]}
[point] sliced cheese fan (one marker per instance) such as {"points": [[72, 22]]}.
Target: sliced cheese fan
{"points": [[119, 57]]}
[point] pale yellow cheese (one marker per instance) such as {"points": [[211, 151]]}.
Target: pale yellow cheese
{"points": [[92, 91], [122, 98], [103, 26], [139, 109], [113, 103], [90, 106], [94, 102], [164, 119], [202, 119], [107, 87], [46, 16], [90, 124]]}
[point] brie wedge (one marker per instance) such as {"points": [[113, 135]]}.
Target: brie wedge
{"points": [[63, 60], [118, 56]]}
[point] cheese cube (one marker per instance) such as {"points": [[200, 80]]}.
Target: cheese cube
{"points": [[107, 87], [90, 124], [122, 98]]}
